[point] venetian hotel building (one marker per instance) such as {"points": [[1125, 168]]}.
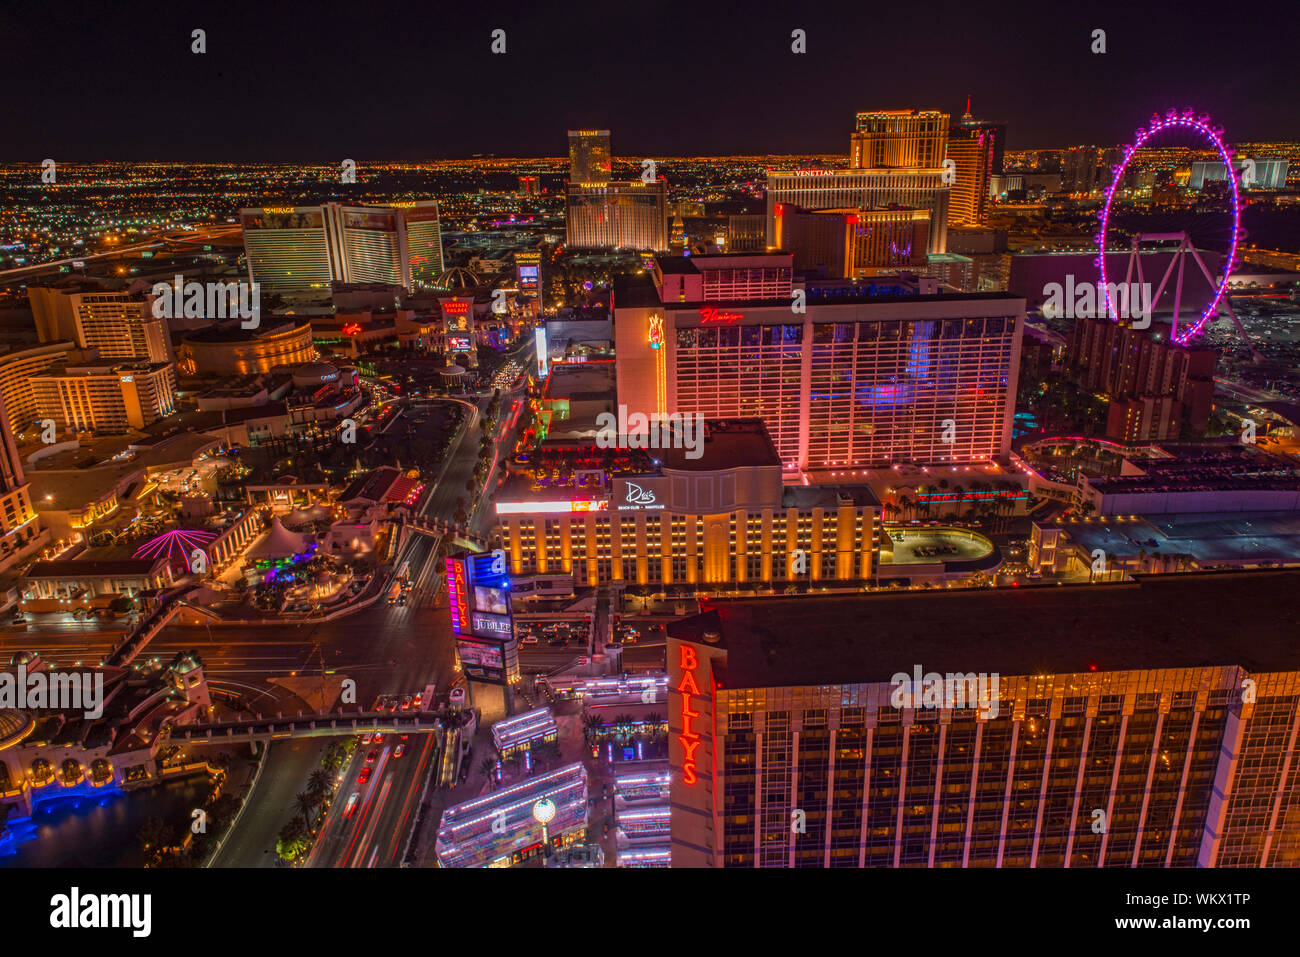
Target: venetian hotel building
{"points": [[1159, 729], [722, 520], [868, 375]]}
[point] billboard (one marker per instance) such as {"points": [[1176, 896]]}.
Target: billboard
{"points": [[492, 600], [528, 266], [482, 660], [539, 335], [478, 591]]}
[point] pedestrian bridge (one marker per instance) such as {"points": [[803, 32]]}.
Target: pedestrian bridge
{"points": [[311, 725]]}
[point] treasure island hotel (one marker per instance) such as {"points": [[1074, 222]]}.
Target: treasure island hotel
{"points": [[1160, 731]]}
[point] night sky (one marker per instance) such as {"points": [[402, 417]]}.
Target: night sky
{"points": [[313, 82]]}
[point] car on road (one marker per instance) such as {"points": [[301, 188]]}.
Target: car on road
{"points": [[364, 776], [367, 738], [401, 749], [352, 804], [531, 640], [406, 701], [379, 736], [372, 756]]}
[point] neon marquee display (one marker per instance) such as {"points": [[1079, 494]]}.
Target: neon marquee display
{"points": [[457, 597], [711, 316], [689, 738], [528, 508]]}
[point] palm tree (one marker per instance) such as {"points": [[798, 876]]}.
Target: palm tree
{"points": [[319, 782], [154, 835], [304, 804]]}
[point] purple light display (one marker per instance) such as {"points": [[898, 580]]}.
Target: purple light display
{"points": [[185, 540], [1201, 125]]}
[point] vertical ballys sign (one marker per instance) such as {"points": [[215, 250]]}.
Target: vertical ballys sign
{"points": [[689, 738], [457, 596]]}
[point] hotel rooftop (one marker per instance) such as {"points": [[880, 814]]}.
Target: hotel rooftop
{"points": [[1157, 622]]}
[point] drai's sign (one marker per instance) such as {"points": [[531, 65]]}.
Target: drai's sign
{"points": [[636, 496]]}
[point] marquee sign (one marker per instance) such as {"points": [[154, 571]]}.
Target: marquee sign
{"points": [[688, 738], [457, 596], [711, 316]]}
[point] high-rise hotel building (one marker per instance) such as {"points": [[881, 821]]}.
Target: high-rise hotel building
{"points": [[973, 150], [895, 159], [916, 188], [864, 376], [116, 323], [898, 138], [661, 518], [854, 243], [19, 533], [309, 247], [590, 161], [1162, 729], [617, 215], [106, 397], [601, 213]]}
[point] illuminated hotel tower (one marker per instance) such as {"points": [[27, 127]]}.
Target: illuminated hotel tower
{"points": [[617, 215], [976, 147], [311, 247], [590, 161], [120, 325], [604, 214], [895, 159], [899, 138], [859, 379], [795, 739], [853, 243], [18, 528], [862, 189]]}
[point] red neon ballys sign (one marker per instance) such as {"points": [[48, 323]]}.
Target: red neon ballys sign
{"points": [[688, 738], [710, 315]]}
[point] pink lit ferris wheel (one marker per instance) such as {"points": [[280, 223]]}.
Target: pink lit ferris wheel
{"points": [[1183, 328]]}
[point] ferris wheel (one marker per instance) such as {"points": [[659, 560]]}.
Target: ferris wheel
{"points": [[1184, 326]]}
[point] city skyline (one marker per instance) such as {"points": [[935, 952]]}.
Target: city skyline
{"points": [[1166, 59], [711, 438]]}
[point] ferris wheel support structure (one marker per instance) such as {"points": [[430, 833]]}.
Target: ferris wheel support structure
{"points": [[1178, 262]]}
